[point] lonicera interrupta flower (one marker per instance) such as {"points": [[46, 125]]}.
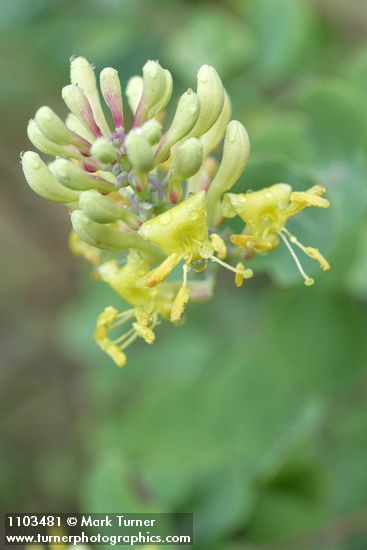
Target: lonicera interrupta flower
{"points": [[145, 199], [266, 212]]}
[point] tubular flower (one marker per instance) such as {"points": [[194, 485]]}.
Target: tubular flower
{"points": [[144, 198], [149, 304], [182, 233], [266, 213]]}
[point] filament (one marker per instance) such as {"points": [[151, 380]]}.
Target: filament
{"points": [[308, 280], [247, 273]]}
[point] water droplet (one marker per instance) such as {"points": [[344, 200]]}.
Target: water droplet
{"points": [[165, 219], [242, 199], [268, 195]]}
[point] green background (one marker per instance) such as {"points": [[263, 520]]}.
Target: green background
{"points": [[253, 413]]}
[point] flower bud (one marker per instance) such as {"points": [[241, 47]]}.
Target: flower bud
{"points": [[187, 158], [186, 115], [211, 94], [74, 124], [139, 151], [186, 161], [82, 74], [214, 136], [111, 90], [104, 151], [55, 129], [47, 146], [105, 237], [160, 106], [74, 177], [41, 180], [96, 234], [156, 92], [152, 131], [134, 91], [103, 210], [236, 150], [78, 104]]}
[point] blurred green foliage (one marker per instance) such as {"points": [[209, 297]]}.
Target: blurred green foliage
{"points": [[252, 414]]}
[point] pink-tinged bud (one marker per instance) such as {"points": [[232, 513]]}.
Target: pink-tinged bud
{"points": [[111, 90], [82, 74], [74, 124], [173, 197], [134, 91], [78, 103]]}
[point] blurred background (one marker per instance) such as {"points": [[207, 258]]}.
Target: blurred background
{"points": [[253, 413]]}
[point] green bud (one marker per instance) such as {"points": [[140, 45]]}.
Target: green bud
{"points": [[186, 115], [236, 150], [214, 136], [111, 90], [155, 83], [103, 210], [186, 161], [211, 94], [104, 151], [139, 151], [134, 92], [55, 129], [108, 238], [82, 74], [160, 106], [41, 180], [187, 158], [47, 146], [74, 177], [152, 131], [77, 102]]}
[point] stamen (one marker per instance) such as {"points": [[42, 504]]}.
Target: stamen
{"points": [[246, 273], [238, 278], [144, 332], [181, 299], [313, 253], [157, 275], [218, 245], [122, 318], [130, 340], [123, 337], [308, 280]]}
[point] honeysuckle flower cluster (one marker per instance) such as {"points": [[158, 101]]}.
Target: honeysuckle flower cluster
{"points": [[148, 199]]}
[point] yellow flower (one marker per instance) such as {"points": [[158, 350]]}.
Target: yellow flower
{"points": [[182, 233], [266, 213], [149, 304]]}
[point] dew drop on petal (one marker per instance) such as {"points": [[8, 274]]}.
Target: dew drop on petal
{"points": [[165, 218]]}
